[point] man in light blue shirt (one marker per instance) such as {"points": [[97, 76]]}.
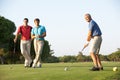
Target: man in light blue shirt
{"points": [[38, 33], [94, 34]]}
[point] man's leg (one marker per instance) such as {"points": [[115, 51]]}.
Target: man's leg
{"points": [[99, 41], [23, 52], [99, 62], [36, 52], [93, 56], [28, 46], [93, 50], [40, 48]]}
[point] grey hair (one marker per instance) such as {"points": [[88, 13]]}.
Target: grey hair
{"points": [[88, 15]]}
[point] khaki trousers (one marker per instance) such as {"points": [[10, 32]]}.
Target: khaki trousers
{"points": [[25, 46], [38, 46]]}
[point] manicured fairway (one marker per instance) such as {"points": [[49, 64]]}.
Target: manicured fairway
{"points": [[55, 71]]}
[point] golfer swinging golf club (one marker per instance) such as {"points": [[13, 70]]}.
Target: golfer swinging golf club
{"points": [[94, 34]]}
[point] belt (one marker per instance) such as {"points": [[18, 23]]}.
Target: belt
{"points": [[96, 36]]}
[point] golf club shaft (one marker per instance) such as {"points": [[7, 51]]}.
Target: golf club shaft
{"points": [[83, 48], [14, 48]]}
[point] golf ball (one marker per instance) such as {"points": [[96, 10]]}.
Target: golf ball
{"points": [[115, 69], [66, 68]]}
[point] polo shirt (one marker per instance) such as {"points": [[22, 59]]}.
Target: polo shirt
{"points": [[25, 32], [38, 31], [94, 28]]}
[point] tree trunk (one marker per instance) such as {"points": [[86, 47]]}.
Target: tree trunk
{"points": [[2, 60]]}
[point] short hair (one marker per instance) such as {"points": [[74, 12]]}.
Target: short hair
{"points": [[26, 19], [88, 15], [37, 19]]}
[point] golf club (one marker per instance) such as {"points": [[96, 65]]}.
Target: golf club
{"points": [[12, 58], [14, 48], [81, 52], [82, 49]]}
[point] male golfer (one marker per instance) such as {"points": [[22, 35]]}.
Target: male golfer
{"points": [[38, 33], [94, 34], [25, 44]]}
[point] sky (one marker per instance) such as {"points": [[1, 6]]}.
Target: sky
{"points": [[65, 23]]}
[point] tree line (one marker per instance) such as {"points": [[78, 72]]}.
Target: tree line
{"points": [[10, 51], [115, 56]]}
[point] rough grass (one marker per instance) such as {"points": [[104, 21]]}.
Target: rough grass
{"points": [[55, 71]]}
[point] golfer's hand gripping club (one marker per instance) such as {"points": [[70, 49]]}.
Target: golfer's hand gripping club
{"points": [[86, 44]]}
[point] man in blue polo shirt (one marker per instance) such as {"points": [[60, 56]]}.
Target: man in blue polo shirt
{"points": [[94, 34], [38, 33]]}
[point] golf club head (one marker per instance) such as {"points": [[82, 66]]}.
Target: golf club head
{"points": [[81, 52]]}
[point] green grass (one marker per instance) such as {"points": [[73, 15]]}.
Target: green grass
{"points": [[55, 71]]}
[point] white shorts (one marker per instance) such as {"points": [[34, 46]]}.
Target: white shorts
{"points": [[95, 45]]}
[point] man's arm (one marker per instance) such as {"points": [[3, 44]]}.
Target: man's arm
{"points": [[88, 39], [18, 32], [89, 35], [32, 36], [15, 39], [40, 36], [43, 35]]}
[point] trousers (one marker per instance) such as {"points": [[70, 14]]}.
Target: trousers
{"points": [[25, 46], [38, 46]]}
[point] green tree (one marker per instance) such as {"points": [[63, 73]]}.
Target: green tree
{"points": [[67, 58], [115, 56], [14, 52], [103, 57], [46, 50], [52, 59], [80, 57], [7, 27]]}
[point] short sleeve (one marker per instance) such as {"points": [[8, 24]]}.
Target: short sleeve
{"points": [[32, 31], [91, 24], [44, 30], [19, 30]]}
